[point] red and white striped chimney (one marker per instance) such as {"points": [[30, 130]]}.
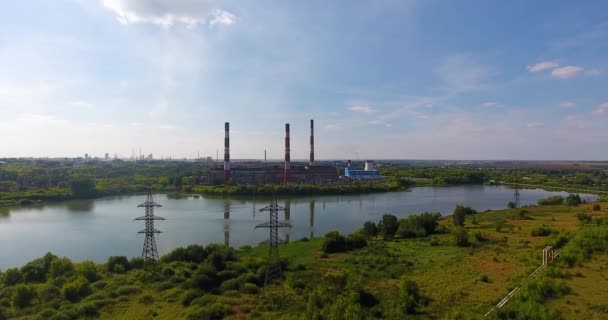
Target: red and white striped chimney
{"points": [[287, 156], [312, 142], [227, 153]]}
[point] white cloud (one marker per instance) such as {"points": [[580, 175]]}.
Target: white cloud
{"points": [[362, 109], [544, 65], [536, 125], [566, 72], [159, 110], [222, 17], [490, 104], [602, 109], [166, 13], [461, 73], [592, 73], [167, 126], [379, 122], [136, 124], [567, 105], [81, 104]]}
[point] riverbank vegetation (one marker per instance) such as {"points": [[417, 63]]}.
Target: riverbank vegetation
{"points": [[24, 182], [414, 267]]}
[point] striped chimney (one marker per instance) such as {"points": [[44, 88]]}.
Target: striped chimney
{"points": [[227, 153], [287, 156], [312, 142]]}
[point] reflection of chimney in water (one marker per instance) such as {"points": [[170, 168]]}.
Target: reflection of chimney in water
{"points": [[226, 222], [311, 209], [287, 217]]}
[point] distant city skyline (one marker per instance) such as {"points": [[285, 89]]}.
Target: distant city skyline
{"points": [[426, 79]]}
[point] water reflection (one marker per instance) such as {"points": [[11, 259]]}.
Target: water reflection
{"points": [[227, 221], [287, 219], [311, 212], [80, 205]]}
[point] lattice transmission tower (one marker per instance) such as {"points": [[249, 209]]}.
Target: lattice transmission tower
{"points": [[150, 253], [274, 273], [516, 195]]}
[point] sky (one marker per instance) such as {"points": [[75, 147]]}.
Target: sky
{"points": [[383, 79]]}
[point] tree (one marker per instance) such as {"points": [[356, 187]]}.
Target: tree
{"points": [[11, 277], [82, 186], [388, 226], [573, 200], [370, 229], [511, 205], [23, 295], [117, 264], [409, 296], [458, 217], [334, 242], [461, 236], [76, 289], [60, 267]]}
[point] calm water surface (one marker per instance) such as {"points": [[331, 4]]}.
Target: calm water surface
{"points": [[96, 229]]}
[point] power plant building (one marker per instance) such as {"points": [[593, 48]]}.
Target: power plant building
{"points": [[368, 173]]}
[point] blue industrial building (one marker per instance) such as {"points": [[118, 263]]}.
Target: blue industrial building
{"points": [[369, 173]]}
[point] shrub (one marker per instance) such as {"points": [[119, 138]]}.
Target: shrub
{"points": [[76, 289], [88, 309], [216, 311], [61, 266], [23, 295], [420, 225], [48, 292], [88, 269], [250, 288], [334, 242], [551, 201], [480, 236], [370, 229], [573, 200], [409, 296], [117, 264], [189, 295], [460, 213], [11, 277], [584, 218], [511, 205], [541, 231], [37, 270], [484, 278], [461, 237], [597, 207], [388, 226], [355, 241], [231, 284]]}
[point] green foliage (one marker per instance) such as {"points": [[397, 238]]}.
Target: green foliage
{"points": [[409, 296], [117, 264], [551, 201], [334, 242], [23, 295], [541, 231], [82, 186], [584, 217], [370, 229], [461, 236], [388, 226], [511, 205], [60, 267], [11, 277], [420, 225], [597, 207], [573, 200], [37, 270], [215, 311], [89, 270], [76, 290]]}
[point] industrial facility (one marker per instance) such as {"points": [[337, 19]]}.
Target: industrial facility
{"points": [[288, 172]]}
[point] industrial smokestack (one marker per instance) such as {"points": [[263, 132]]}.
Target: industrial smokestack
{"points": [[349, 163], [312, 142], [227, 153], [287, 157]]}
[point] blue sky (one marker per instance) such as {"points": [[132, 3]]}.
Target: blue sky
{"points": [[382, 79]]}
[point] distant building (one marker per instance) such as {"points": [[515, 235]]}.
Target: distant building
{"points": [[369, 173], [107, 157]]}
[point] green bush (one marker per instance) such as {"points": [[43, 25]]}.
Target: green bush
{"points": [[409, 296], [597, 207], [117, 264], [88, 269], [11, 277], [23, 294], [461, 237], [76, 290], [460, 213], [573, 200], [370, 229], [333, 242], [420, 225], [355, 241], [551, 201], [388, 226], [230, 284], [60, 267], [88, 309], [584, 217], [215, 311], [541, 231]]}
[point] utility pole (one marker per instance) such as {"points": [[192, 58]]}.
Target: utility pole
{"points": [[150, 253], [274, 273]]}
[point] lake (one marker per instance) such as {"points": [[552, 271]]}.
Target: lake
{"points": [[96, 229]]}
